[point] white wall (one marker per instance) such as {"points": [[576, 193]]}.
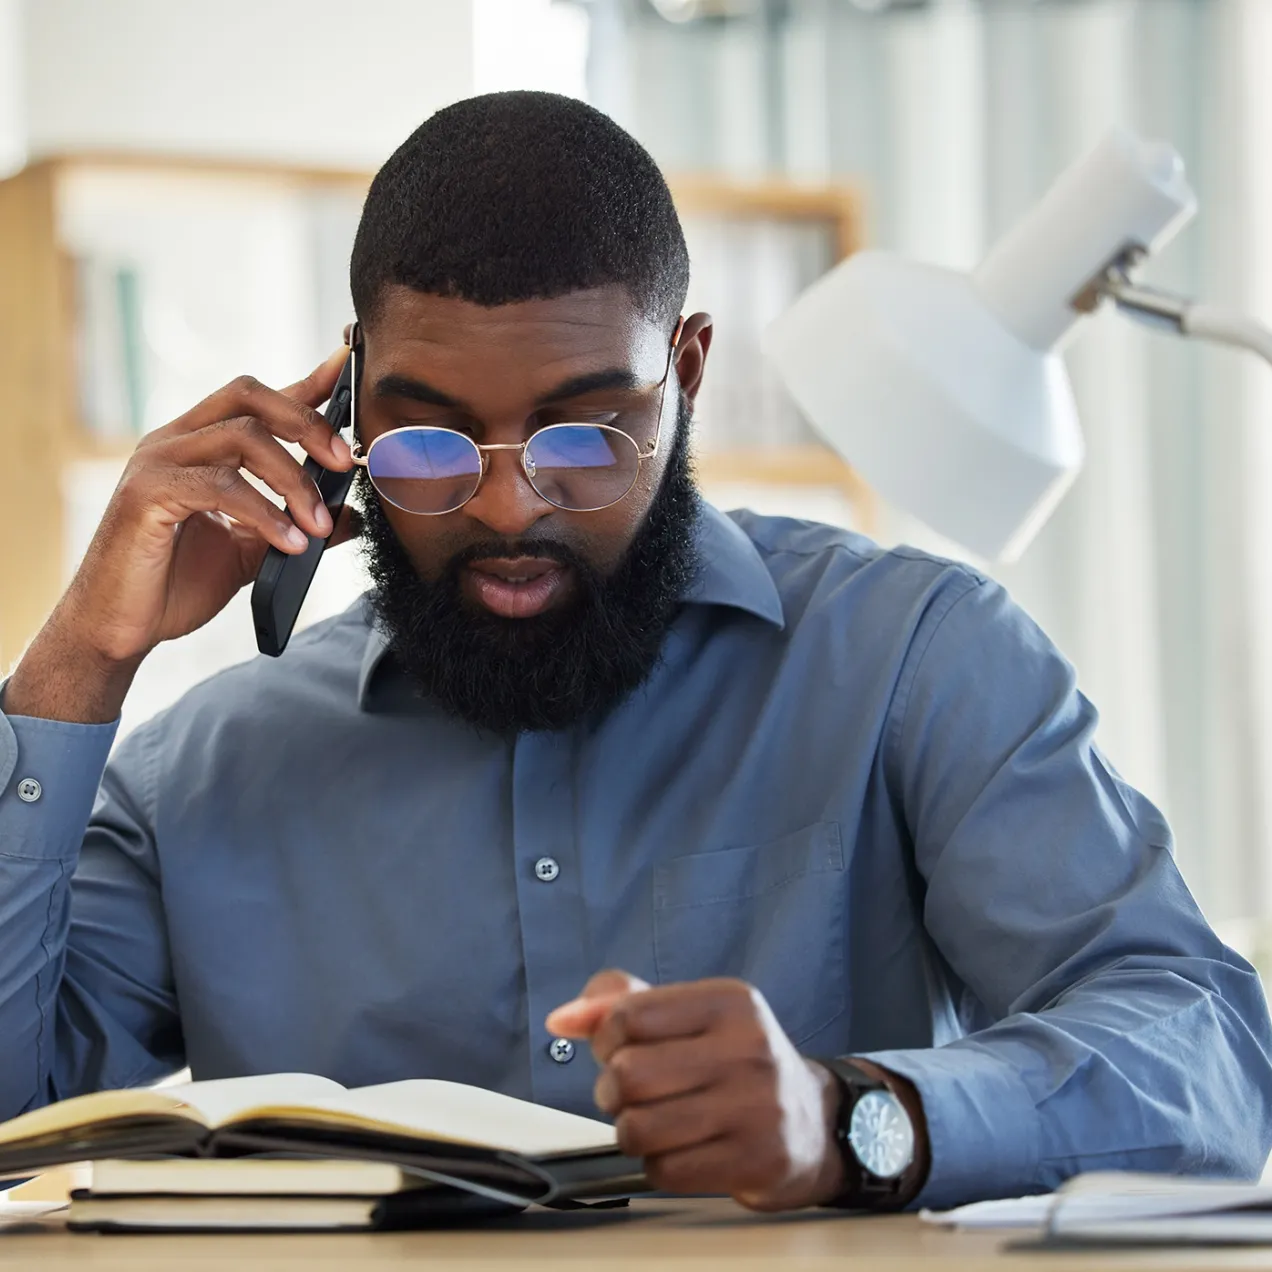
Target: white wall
{"points": [[12, 88], [535, 44], [305, 81]]}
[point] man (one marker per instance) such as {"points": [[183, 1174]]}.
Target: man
{"points": [[889, 928]]}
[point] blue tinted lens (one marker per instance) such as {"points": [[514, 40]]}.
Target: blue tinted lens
{"points": [[424, 470], [583, 467]]}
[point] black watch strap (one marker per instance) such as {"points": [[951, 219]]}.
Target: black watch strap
{"points": [[864, 1190]]}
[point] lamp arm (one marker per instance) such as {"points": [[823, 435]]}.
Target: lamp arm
{"points": [[1186, 318], [1209, 322]]}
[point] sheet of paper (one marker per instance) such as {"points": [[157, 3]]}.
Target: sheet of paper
{"points": [[19, 1212], [1009, 1212]]}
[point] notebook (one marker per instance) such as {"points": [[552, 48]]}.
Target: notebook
{"points": [[249, 1177], [265, 1194], [90, 1213], [462, 1137]]}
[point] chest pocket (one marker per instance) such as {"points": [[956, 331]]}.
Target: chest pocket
{"points": [[772, 915]]}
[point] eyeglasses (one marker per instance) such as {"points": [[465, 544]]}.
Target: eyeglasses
{"points": [[577, 467]]}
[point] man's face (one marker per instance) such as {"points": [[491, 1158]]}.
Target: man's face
{"points": [[514, 613], [497, 375]]}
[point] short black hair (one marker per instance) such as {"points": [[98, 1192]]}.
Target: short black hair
{"points": [[521, 196]]}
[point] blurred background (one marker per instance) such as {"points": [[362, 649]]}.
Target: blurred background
{"points": [[183, 181]]}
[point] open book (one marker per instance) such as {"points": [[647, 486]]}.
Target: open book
{"points": [[464, 1137]]}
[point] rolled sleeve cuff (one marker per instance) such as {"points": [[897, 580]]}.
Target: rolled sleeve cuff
{"points": [[982, 1124], [49, 775]]}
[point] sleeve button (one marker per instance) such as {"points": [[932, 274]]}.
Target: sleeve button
{"points": [[29, 790]]}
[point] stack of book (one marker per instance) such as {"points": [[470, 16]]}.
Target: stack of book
{"points": [[295, 1151]]}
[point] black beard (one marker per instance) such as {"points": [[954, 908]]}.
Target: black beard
{"points": [[569, 665]]}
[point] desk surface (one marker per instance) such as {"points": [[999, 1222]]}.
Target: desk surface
{"points": [[671, 1236]]}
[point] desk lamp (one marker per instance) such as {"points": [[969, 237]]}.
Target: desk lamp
{"points": [[947, 390]]}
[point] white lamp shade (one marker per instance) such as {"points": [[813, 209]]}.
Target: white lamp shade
{"points": [[910, 377], [946, 390]]}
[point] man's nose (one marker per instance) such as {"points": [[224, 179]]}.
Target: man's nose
{"points": [[506, 502]]}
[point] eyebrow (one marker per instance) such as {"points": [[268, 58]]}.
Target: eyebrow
{"points": [[405, 386]]}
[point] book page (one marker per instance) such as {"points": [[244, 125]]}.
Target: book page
{"points": [[221, 1099], [207, 1103], [452, 1112], [86, 1110]]}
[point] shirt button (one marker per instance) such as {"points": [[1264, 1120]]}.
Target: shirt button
{"points": [[561, 1050], [546, 869], [29, 790]]}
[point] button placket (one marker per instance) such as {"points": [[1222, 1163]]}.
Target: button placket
{"points": [[551, 911]]}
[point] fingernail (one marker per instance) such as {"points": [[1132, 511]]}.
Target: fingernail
{"points": [[323, 519], [297, 537], [340, 449]]}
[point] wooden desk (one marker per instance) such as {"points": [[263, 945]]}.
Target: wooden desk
{"points": [[671, 1236]]}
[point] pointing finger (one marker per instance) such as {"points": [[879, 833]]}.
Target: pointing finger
{"points": [[580, 1017]]}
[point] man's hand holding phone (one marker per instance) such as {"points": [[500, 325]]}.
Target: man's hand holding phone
{"points": [[183, 532]]}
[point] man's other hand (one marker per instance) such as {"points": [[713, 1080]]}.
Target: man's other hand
{"points": [[704, 1085]]}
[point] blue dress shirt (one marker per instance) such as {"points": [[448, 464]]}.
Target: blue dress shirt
{"points": [[860, 779]]}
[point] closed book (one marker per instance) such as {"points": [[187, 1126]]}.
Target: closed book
{"points": [[457, 1136], [91, 1212], [249, 1177]]}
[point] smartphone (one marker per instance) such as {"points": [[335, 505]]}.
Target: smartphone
{"points": [[283, 579]]}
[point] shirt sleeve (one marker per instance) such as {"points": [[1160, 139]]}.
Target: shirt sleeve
{"points": [[86, 999], [1109, 1028]]}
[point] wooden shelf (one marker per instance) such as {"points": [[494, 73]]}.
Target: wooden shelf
{"points": [[841, 206], [354, 179], [814, 466]]}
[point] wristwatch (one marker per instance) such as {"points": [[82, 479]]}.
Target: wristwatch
{"points": [[876, 1138]]}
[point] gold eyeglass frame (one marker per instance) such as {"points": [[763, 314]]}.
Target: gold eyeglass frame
{"points": [[362, 459]]}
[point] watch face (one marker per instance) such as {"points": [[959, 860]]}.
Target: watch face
{"points": [[881, 1135]]}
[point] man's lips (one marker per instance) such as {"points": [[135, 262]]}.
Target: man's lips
{"points": [[519, 587]]}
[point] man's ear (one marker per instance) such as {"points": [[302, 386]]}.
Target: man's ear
{"points": [[691, 353]]}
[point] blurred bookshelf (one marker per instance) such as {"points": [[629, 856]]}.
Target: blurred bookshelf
{"points": [[753, 248], [135, 285]]}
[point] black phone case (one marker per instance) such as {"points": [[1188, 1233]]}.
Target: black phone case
{"points": [[283, 580]]}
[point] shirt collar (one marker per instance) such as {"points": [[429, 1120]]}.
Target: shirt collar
{"points": [[731, 573]]}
